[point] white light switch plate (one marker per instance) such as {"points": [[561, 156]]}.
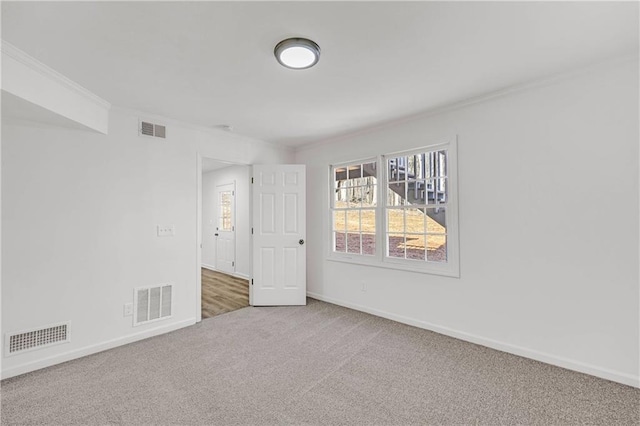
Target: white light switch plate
{"points": [[128, 309], [166, 230]]}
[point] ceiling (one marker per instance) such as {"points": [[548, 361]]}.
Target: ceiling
{"points": [[211, 63]]}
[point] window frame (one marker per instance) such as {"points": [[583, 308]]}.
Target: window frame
{"points": [[451, 267]]}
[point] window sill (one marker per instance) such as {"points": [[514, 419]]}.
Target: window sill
{"points": [[446, 270]]}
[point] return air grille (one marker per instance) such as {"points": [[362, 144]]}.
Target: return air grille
{"points": [[37, 338], [152, 303], [150, 129]]}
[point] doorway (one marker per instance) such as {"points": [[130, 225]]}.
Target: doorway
{"points": [[224, 231], [270, 227]]}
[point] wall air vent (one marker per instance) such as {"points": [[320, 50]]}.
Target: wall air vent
{"points": [[150, 129], [159, 131], [152, 303], [36, 338]]}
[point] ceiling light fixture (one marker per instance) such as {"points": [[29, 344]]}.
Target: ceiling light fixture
{"points": [[297, 53]]}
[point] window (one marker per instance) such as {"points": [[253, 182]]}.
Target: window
{"points": [[410, 223], [225, 211], [354, 208]]}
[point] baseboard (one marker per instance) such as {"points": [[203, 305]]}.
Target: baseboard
{"points": [[233, 274], [614, 376], [239, 275], [92, 349], [209, 267]]}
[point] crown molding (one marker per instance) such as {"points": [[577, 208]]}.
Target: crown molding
{"points": [[544, 81], [10, 50]]}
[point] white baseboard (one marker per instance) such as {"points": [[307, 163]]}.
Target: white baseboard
{"points": [[615, 376], [239, 275], [209, 267], [92, 349], [233, 274]]}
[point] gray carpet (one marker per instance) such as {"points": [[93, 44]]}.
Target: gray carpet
{"points": [[319, 364]]}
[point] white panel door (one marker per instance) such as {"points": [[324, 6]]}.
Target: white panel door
{"points": [[226, 229], [279, 247]]}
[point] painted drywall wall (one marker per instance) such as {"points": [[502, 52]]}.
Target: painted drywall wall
{"points": [[79, 220], [548, 189], [241, 176]]}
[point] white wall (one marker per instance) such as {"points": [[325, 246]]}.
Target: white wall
{"points": [[241, 176], [79, 227], [549, 258]]}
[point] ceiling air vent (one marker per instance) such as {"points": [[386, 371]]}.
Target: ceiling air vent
{"points": [[152, 303], [36, 338], [150, 129]]}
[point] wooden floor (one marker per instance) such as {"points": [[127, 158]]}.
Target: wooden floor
{"points": [[222, 293]]}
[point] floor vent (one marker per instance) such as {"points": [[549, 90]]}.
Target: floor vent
{"points": [[152, 303], [155, 130], [36, 339]]}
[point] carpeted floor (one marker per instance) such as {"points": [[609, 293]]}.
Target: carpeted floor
{"points": [[319, 364]]}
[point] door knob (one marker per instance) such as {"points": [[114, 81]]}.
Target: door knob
{"points": [[301, 242]]}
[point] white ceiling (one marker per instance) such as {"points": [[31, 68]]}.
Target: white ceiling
{"points": [[212, 63]]}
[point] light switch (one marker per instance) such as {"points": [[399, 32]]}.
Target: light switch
{"points": [[128, 309], [166, 230]]}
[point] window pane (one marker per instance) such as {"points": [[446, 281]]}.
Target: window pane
{"points": [[370, 170], [440, 190], [339, 176], [340, 198], [441, 163], [368, 244], [355, 172], [395, 221], [397, 169], [360, 195], [396, 195], [430, 191], [415, 247], [353, 220], [416, 166], [353, 242], [414, 221], [225, 211], [436, 221], [367, 196], [339, 220], [437, 248], [339, 242], [395, 243], [416, 193], [368, 221]]}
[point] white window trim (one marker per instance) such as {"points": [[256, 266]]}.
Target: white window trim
{"points": [[450, 268]]}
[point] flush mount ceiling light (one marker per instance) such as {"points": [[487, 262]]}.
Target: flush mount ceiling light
{"points": [[297, 53]]}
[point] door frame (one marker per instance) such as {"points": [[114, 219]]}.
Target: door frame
{"points": [[198, 266]]}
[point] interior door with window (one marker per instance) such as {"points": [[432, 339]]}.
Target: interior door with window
{"points": [[279, 229], [225, 234]]}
